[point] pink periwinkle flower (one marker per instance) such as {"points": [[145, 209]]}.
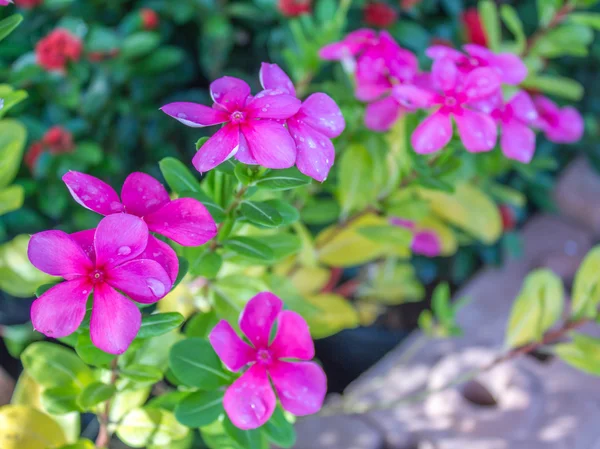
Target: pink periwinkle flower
{"points": [[5, 2], [560, 125], [425, 241], [453, 94], [301, 386], [183, 220], [107, 261], [509, 66], [318, 120], [253, 131]]}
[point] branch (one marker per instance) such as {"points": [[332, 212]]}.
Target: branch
{"points": [[556, 20], [104, 435], [237, 199]]}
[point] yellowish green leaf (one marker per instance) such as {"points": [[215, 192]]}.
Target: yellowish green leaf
{"points": [[24, 427], [336, 314], [586, 287]]}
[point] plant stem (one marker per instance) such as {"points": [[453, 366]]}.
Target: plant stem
{"points": [[237, 199], [104, 434], [556, 20]]}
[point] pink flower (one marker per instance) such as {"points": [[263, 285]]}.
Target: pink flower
{"points": [[454, 94], [425, 241], [5, 2], [101, 261], [560, 125], [509, 66], [184, 220], [252, 132], [351, 45], [318, 120], [301, 386]]}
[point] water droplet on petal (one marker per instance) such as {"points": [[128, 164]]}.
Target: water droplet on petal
{"points": [[156, 287], [124, 251]]}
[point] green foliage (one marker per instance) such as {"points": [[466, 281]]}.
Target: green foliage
{"points": [[200, 408], [582, 353], [586, 287], [195, 363], [159, 324]]}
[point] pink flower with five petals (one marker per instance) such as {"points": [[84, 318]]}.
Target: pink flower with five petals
{"points": [[109, 261], [453, 95], [252, 132], [318, 120], [425, 241], [301, 386], [5, 2], [184, 220], [560, 125]]}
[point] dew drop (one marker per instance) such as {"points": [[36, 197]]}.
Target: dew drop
{"points": [[124, 251], [156, 287]]}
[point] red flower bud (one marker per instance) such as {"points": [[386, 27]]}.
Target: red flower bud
{"points": [[150, 19], [294, 8], [58, 140], [473, 27], [508, 217], [57, 49], [33, 153], [28, 4], [380, 14]]}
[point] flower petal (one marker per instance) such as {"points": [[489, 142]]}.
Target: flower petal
{"points": [[243, 153], [322, 113], [143, 280], [115, 320], [230, 92], [512, 69], [85, 239], [92, 193], [273, 77], [570, 127], [414, 97], [119, 238], [58, 254], [273, 104], [315, 152], [477, 130], [301, 386], [163, 254], [234, 352], [269, 143], [517, 141], [216, 150], [195, 115], [250, 400], [293, 338], [443, 51], [432, 134], [426, 243], [523, 107], [60, 310], [380, 115], [184, 220], [481, 83], [257, 318], [444, 74], [353, 43], [142, 194]]}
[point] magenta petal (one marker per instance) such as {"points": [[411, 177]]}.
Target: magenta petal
{"points": [[234, 352], [273, 104], [257, 318], [517, 141], [323, 114], [250, 400], [142, 194], [119, 238], [353, 43], [432, 134], [414, 97], [230, 92], [315, 151], [442, 51], [293, 338], [243, 153], [570, 126], [380, 115], [523, 107], [481, 83], [269, 143], [477, 130], [92, 193], [273, 77], [301, 386], [115, 320], [85, 239], [403, 223], [163, 254], [216, 150], [143, 280], [426, 243], [184, 220], [60, 310], [369, 91], [58, 254], [195, 115], [444, 74], [512, 69]]}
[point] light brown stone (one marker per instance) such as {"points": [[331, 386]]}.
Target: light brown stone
{"points": [[336, 432]]}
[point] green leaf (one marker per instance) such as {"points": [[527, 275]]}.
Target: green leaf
{"points": [[261, 213], [207, 265], [582, 353], [537, 308], [178, 177], [11, 198], [570, 39], [441, 305], [89, 353], [200, 408], [167, 401], [247, 439], [289, 213], [60, 400], [215, 43], [356, 184], [183, 269], [139, 44], [141, 375], [290, 178], [555, 85], [102, 39], [323, 211], [213, 208], [279, 430], [12, 142], [142, 427], [284, 245], [95, 394], [591, 19], [547, 10], [196, 364], [491, 25], [159, 324], [9, 24], [163, 59], [586, 287], [81, 444], [390, 234], [51, 365], [250, 248], [513, 23], [201, 324], [335, 313], [11, 99]]}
